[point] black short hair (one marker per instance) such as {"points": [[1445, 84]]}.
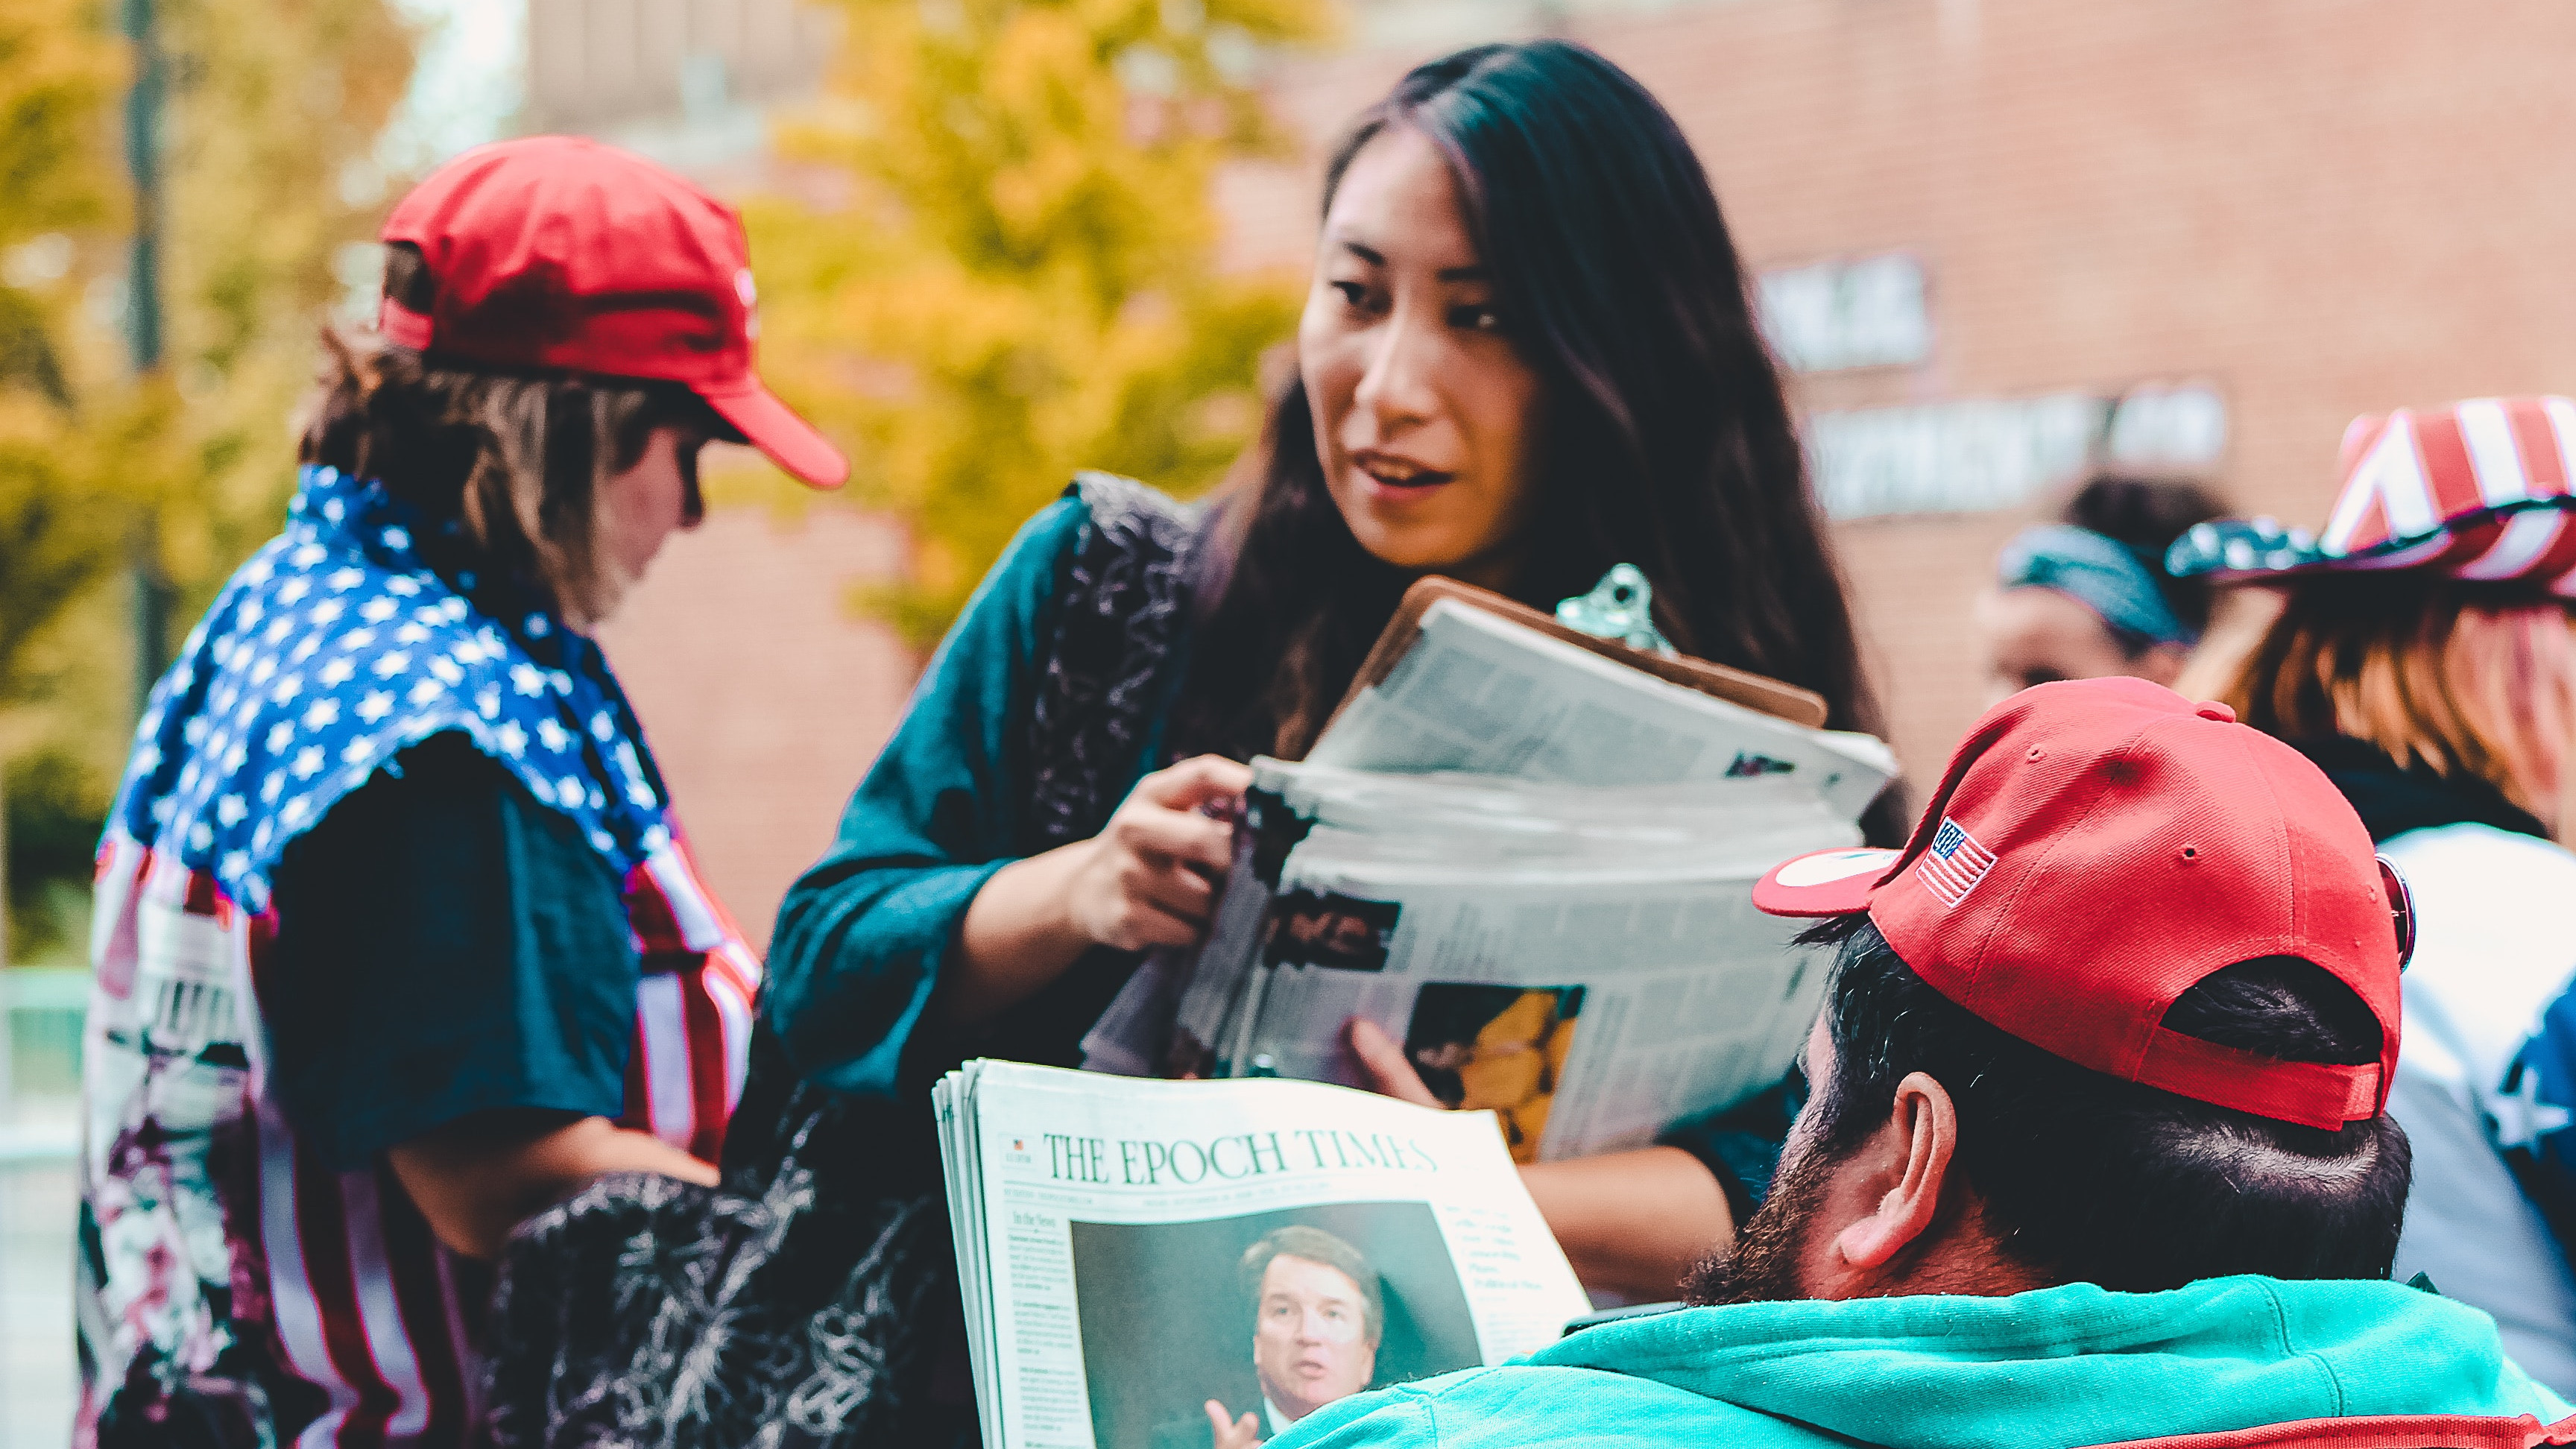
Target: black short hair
{"points": [[2087, 1178], [1315, 1246], [2145, 514]]}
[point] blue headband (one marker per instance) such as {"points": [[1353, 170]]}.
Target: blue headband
{"points": [[2098, 573]]}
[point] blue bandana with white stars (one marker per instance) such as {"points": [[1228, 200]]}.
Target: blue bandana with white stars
{"points": [[336, 647]]}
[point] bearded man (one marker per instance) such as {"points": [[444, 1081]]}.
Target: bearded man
{"points": [[2098, 1151]]}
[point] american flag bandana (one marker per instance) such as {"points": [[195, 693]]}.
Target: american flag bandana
{"points": [[1954, 864], [336, 647]]}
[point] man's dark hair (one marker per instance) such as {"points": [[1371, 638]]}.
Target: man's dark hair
{"points": [[2145, 514], [2088, 1178], [1315, 1246]]}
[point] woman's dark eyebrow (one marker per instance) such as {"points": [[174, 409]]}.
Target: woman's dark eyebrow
{"points": [[1473, 272]]}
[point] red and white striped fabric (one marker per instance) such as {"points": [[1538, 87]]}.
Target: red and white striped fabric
{"points": [[2480, 491], [693, 1009], [224, 1234]]}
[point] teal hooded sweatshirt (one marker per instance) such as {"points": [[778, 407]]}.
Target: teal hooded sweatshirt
{"points": [[2069, 1366]]}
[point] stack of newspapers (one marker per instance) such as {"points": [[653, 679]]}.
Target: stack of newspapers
{"points": [[1532, 866], [1145, 1263]]}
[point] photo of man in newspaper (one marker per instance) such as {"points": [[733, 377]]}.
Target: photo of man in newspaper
{"points": [[1220, 1333], [1495, 1048], [1318, 1316], [1326, 928]]}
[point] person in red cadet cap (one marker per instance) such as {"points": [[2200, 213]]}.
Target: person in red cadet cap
{"points": [[398, 941], [2424, 658], [2097, 1151]]}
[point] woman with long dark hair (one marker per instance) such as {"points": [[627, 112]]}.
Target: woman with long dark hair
{"points": [[1581, 353], [1527, 356]]}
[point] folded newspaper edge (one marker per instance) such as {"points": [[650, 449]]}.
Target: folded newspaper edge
{"points": [[1482, 694], [1096, 1219]]}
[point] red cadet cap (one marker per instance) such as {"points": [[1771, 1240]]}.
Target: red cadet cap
{"points": [[2099, 846], [559, 253]]}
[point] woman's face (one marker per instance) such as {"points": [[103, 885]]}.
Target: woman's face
{"points": [[2034, 636], [1426, 416]]}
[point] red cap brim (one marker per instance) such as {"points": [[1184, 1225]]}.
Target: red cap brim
{"points": [[788, 440], [1824, 882]]}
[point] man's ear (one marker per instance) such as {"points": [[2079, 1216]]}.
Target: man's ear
{"points": [[1916, 1147]]}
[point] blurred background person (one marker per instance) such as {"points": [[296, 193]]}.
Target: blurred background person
{"points": [[400, 944], [2089, 595], [2423, 657]]}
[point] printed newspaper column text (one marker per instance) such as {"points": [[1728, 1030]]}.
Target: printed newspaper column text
{"points": [[1508, 1297], [1053, 1405]]}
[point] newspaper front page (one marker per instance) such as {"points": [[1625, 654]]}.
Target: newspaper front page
{"points": [[1133, 1251]]}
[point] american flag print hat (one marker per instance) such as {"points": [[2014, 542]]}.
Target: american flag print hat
{"points": [[2478, 491]]}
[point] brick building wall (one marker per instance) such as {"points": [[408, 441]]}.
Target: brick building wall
{"points": [[2314, 207]]}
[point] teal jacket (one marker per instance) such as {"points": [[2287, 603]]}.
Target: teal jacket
{"points": [[2059, 1367]]}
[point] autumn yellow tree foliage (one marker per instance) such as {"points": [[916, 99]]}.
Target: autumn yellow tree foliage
{"points": [[1021, 277], [57, 78], [61, 524], [273, 109]]}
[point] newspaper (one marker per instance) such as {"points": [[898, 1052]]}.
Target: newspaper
{"points": [[1133, 1251], [1530, 865], [1480, 693], [1590, 965]]}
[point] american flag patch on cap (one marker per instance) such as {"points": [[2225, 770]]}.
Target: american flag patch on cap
{"points": [[1954, 864]]}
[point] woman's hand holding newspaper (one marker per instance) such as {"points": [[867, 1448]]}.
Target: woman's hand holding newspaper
{"points": [[1383, 1067], [1151, 875], [1149, 878], [1587, 1200]]}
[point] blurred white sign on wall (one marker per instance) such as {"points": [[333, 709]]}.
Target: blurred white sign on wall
{"points": [[1837, 315], [1989, 453], [2168, 427]]}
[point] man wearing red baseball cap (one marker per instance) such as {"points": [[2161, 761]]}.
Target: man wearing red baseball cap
{"points": [[2096, 1153], [399, 941]]}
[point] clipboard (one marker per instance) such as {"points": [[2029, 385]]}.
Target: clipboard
{"points": [[1735, 686]]}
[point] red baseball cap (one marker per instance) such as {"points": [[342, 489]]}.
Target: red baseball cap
{"points": [[559, 253], [2099, 846]]}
